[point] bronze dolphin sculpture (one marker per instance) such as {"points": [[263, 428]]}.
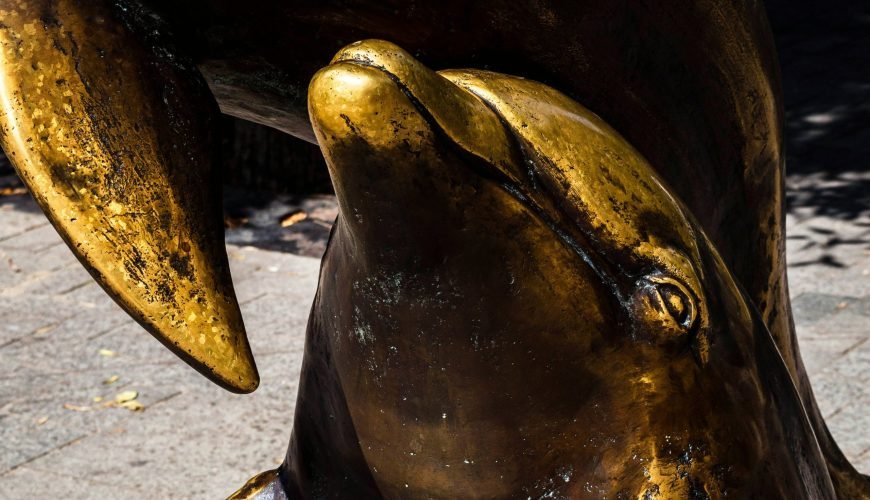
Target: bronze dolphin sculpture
{"points": [[592, 345], [108, 118]]}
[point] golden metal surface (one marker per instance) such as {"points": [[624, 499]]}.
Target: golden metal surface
{"points": [[611, 192], [114, 141]]}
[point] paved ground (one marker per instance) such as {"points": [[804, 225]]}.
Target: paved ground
{"points": [[62, 340], [64, 344]]}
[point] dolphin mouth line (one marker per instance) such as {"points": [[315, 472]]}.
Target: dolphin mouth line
{"points": [[600, 265]]}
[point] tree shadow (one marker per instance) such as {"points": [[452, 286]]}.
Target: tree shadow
{"points": [[293, 224], [296, 224], [13, 195], [824, 52]]}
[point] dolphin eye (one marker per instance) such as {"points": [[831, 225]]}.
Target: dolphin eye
{"points": [[663, 306], [674, 298]]}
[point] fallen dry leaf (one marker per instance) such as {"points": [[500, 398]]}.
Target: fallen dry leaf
{"points": [[127, 400], [123, 397], [293, 217], [97, 399], [13, 266], [231, 222], [111, 380], [12, 190], [107, 353], [70, 406], [45, 329], [132, 405], [41, 420]]}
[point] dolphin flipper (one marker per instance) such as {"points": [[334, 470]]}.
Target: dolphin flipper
{"points": [[114, 135]]}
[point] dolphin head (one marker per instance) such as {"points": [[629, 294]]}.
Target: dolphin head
{"points": [[514, 301]]}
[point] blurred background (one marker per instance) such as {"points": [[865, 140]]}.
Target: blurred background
{"points": [[92, 407]]}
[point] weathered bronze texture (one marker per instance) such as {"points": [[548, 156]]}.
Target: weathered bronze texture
{"points": [[516, 298], [114, 137]]}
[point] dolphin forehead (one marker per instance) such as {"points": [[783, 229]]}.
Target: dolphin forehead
{"points": [[605, 186], [633, 231]]}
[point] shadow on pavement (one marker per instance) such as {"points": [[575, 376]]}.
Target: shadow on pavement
{"points": [[283, 223], [293, 224], [824, 51]]}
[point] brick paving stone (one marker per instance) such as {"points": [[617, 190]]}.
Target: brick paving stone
{"points": [[820, 352]]}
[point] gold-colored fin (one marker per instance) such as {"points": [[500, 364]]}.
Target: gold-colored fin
{"points": [[113, 136]]}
